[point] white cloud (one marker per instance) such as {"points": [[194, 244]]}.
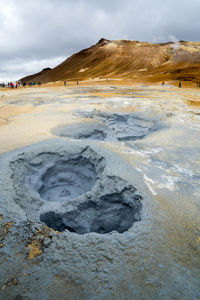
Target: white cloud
{"points": [[41, 30], [17, 69]]}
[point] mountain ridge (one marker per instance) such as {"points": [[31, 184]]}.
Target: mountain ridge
{"points": [[127, 59]]}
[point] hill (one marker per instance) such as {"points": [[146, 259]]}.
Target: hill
{"points": [[128, 59]]}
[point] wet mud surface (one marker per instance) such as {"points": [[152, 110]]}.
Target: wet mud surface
{"points": [[110, 127], [72, 185], [99, 193]]}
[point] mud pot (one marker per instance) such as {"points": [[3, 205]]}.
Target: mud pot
{"points": [[110, 127], [72, 185]]}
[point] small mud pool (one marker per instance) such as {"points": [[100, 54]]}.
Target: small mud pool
{"points": [[119, 127], [66, 179], [71, 191]]}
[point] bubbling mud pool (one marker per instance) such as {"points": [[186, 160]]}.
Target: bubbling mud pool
{"points": [[67, 179], [71, 184]]}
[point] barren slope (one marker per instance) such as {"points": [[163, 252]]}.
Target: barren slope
{"points": [[128, 59]]}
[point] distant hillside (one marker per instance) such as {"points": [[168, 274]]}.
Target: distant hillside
{"points": [[36, 75], [128, 59]]}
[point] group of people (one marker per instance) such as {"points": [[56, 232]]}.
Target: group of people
{"points": [[16, 84], [10, 84], [31, 83]]}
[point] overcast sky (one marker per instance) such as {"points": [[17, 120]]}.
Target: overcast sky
{"points": [[35, 34]]}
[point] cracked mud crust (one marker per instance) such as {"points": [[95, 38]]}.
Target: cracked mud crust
{"points": [[117, 126]]}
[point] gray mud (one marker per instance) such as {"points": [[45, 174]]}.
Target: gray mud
{"points": [[83, 219], [110, 127], [64, 178], [71, 183], [112, 212], [89, 130]]}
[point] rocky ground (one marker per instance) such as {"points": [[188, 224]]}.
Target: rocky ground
{"points": [[99, 193]]}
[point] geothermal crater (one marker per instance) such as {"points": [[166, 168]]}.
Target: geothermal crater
{"points": [[73, 192], [119, 127]]}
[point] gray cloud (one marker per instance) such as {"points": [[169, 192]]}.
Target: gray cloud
{"points": [[41, 33]]}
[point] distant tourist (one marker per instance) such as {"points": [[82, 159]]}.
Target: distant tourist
{"points": [[64, 83], [39, 83], [24, 84], [77, 82], [163, 83], [179, 85]]}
